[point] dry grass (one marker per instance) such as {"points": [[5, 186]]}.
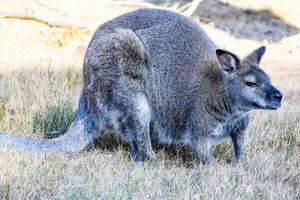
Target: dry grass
{"points": [[41, 70]]}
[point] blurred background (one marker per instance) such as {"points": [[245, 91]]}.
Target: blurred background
{"points": [[37, 32]]}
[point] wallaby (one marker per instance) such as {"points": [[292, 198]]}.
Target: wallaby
{"points": [[153, 75]]}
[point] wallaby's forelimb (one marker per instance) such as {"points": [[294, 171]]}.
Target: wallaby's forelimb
{"points": [[81, 133]]}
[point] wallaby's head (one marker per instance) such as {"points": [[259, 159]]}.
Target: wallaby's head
{"points": [[247, 82]]}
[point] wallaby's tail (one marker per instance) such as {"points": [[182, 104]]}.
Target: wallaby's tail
{"points": [[81, 133]]}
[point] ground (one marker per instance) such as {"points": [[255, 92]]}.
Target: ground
{"points": [[40, 82]]}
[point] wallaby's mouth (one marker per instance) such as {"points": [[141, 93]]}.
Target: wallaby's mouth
{"points": [[275, 101], [276, 98], [272, 105]]}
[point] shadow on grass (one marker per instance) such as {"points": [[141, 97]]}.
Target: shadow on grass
{"points": [[172, 155], [56, 121], [252, 24], [180, 155]]}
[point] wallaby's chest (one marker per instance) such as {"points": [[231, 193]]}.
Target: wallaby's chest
{"points": [[221, 131], [224, 129]]}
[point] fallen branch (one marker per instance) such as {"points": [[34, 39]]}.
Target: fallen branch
{"points": [[41, 18], [192, 8], [183, 7], [135, 4], [46, 5]]}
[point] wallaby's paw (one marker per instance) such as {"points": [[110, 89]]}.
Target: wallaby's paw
{"points": [[141, 159], [207, 162], [143, 156], [238, 161], [138, 164]]}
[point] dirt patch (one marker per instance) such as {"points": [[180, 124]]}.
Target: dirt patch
{"points": [[253, 24], [259, 25]]}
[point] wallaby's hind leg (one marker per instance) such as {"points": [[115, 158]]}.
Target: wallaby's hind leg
{"points": [[134, 126], [141, 149], [202, 151]]}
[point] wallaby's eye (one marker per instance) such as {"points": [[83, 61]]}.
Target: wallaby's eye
{"points": [[251, 84]]}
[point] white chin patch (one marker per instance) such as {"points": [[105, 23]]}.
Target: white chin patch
{"points": [[261, 102], [258, 100]]}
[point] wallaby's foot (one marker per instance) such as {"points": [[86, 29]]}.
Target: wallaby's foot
{"points": [[141, 154], [207, 160], [202, 152], [204, 159], [141, 149], [239, 157], [139, 159]]}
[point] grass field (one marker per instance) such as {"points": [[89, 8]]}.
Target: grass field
{"points": [[40, 82]]}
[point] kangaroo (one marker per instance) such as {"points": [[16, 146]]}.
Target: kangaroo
{"points": [[154, 76]]}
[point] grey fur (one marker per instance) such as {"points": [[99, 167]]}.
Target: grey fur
{"points": [[155, 76]]}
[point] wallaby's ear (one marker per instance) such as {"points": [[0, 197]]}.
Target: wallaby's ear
{"points": [[229, 62], [255, 57]]}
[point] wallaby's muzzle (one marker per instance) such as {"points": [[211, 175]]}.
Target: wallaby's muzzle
{"points": [[274, 97]]}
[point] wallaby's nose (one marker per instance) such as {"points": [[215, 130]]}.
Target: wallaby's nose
{"points": [[277, 95]]}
